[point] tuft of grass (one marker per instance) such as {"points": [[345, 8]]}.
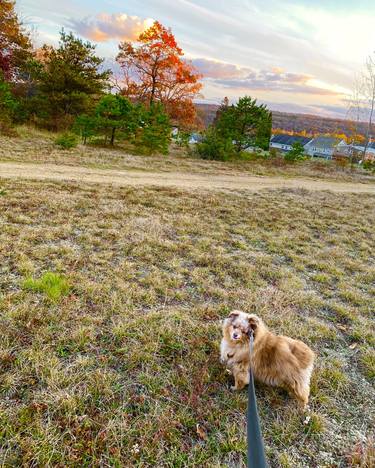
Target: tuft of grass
{"points": [[53, 285], [368, 363]]}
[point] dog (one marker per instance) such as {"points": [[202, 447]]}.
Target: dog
{"points": [[276, 360]]}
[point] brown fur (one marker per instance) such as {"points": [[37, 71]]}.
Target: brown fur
{"points": [[276, 360]]}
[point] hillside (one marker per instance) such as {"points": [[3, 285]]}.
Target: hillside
{"points": [[293, 122]]}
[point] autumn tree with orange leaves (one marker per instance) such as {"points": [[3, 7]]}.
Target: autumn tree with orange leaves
{"points": [[15, 44], [154, 71]]}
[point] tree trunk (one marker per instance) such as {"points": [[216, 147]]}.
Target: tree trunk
{"points": [[152, 97], [371, 75], [369, 125], [113, 136]]}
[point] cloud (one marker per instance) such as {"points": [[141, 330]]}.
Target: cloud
{"points": [[104, 27], [264, 80], [231, 76], [219, 70]]}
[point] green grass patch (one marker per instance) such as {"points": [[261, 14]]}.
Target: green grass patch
{"points": [[53, 285]]}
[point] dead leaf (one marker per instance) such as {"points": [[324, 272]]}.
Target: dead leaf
{"points": [[353, 346], [341, 327], [201, 432]]}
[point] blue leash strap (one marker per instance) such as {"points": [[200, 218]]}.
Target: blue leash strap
{"points": [[255, 449]]}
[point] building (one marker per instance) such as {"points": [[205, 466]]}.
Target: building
{"points": [[325, 147], [370, 153], [286, 142], [195, 138]]}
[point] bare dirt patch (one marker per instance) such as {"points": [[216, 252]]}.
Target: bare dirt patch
{"points": [[172, 179]]}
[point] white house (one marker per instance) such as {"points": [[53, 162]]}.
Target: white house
{"points": [[370, 153], [324, 147], [195, 138], [286, 142]]}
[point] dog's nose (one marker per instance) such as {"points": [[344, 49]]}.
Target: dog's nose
{"points": [[235, 336]]}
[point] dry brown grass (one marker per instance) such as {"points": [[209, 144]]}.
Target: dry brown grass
{"points": [[122, 369], [37, 146]]}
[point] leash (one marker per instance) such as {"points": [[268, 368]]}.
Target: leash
{"points": [[255, 449]]}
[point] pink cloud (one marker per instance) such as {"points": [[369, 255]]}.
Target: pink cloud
{"points": [[104, 27], [213, 69], [232, 76]]}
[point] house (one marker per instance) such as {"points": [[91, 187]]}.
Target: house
{"points": [[324, 146], [195, 138], [286, 142], [370, 153]]}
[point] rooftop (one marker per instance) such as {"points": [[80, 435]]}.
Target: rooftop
{"points": [[325, 142], [290, 139]]}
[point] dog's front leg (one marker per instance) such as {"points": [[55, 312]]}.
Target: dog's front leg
{"points": [[241, 379]]}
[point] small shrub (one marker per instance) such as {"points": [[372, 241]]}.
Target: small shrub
{"points": [[53, 285], [6, 127], [214, 147], [296, 153], [182, 139], [342, 162], [273, 153], [66, 141], [369, 165]]}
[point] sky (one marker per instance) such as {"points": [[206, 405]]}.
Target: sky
{"points": [[295, 55]]}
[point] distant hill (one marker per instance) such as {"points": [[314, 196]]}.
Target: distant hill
{"points": [[289, 122]]}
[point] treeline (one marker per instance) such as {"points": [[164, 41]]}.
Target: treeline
{"points": [[67, 88]]}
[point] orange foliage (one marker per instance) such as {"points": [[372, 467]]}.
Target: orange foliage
{"points": [[341, 136], [14, 41], [154, 71]]}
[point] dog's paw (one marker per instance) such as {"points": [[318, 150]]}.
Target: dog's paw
{"points": [[233, 388]]}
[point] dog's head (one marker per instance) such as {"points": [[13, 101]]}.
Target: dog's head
{"points": [[238, 325]]}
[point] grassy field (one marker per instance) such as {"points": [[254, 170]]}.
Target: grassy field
{"points": [[36, 146], [110, 308]]}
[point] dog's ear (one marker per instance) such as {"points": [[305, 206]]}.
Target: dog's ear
{"points": [[234, 314], [253, 323]]}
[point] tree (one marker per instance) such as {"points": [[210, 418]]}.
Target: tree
{"points": [[85, 126], [154, 135], [296, 153], [155, 72], [70, 79], [369, 93], [247, 124], [224, 105], [15, 44], [362, 104], [215, 147], [8, 105], [115, 113]]}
